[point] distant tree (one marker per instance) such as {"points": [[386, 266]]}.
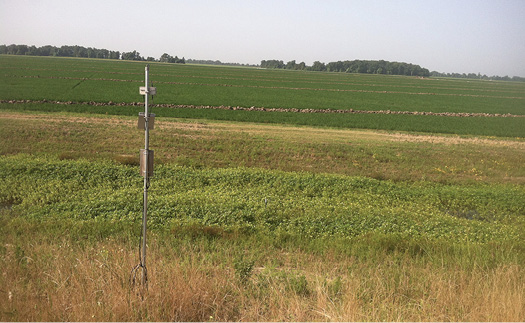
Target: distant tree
{"points": [[301, 66], [65, 51], [318, 66], [273, 63], [32, 51], [114, 55], [79, 51], [334, 66], [102, 53], [91, 53], [48, 50], [290, 65], [362, 67], [165, 58], [132, 56], [21, 50]]}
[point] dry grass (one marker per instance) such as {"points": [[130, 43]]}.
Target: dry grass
{"points": [[64, 282], [394, 156]]}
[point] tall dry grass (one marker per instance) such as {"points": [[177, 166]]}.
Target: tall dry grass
{"points": [[62, 281]]}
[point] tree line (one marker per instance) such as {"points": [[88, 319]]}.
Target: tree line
{"points": [[355, 66], [81, 51], [378, 67], [478, 76]]}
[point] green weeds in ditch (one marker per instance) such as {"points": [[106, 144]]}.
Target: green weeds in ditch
{"points": [[283, 205]]}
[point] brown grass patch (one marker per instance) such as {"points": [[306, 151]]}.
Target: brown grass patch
{"points": [[377, 154], [65, 282]]}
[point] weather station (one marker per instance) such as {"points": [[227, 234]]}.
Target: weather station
{"points": [[146, 121]]}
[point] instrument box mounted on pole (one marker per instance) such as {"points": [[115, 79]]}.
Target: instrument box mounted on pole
{"points": [[146, 156], [142, 121], [151, 90]]}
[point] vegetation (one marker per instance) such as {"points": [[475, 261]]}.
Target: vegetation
{"points": [[330, 247], [81, 51], [251, 221], [355, 66], [167, 58], [79, 270], [216, 62], [199, 143], [478, 76], [104, 81], [500, 127], [302, 205]]}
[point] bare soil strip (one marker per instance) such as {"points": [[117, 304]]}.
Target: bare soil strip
{"points": [[272, 87], [263, 109]]}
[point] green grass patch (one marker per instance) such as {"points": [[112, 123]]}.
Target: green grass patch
{"points": [[250, 200]]}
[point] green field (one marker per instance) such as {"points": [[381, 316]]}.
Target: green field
{"points": [[83, 80], [259, 216]]}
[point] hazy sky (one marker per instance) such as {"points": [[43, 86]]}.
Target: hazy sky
{"points": [[464, 36]]}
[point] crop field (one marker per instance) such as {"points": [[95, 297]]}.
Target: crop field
{"points": [[266, 204], [84, 81]]}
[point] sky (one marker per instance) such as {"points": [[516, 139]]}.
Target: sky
{"points": [[451, 36]]}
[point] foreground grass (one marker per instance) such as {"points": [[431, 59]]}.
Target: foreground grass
{"points": [[251, 200], [62, 270], [258, 223], [254, 245]]}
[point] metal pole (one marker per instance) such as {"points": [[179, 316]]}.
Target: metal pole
{"points": [[146, 180], [146, 168]]}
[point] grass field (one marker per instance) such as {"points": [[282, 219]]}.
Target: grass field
{"points": [[253, 218]]}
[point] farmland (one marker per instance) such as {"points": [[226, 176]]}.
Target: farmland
{"points": [[70, 80], [259, 215]]}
